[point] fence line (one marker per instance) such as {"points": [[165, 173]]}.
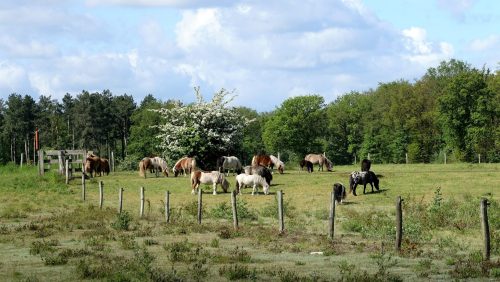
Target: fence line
{"points": [[281, 213]]}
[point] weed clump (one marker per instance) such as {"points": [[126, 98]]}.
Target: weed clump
{"points": [[122, 221]]}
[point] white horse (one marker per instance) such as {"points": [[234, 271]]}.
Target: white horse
{"points": [[159, 164], [229, 163], [279, 164], [254, 180], [208, 177]]}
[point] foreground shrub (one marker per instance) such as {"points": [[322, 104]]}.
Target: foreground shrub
{"points": [[122, 221]]}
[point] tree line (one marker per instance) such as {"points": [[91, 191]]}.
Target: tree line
{"points": [[453, 109]]}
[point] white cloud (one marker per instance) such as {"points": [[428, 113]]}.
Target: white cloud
{"points": [[485, 44], [423, 51], [12, 77], [457, 8], [160, 3]]}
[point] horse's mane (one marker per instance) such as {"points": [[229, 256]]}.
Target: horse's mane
{"points": [[178, 163]]}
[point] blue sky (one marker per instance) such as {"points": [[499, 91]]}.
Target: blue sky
{"points": [[267, 51]]}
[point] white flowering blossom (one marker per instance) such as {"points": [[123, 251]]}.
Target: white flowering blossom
{"points": [[202, 129]]}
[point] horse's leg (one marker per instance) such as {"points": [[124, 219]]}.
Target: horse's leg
{"points": [[354, 189], [364, 188], [215, 188], [254, 189]]}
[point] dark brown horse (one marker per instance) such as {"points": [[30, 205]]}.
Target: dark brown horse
{"points": [[184, 165], [103, 166]]}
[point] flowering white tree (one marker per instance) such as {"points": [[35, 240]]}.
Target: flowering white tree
{"points": [[205, 130]]}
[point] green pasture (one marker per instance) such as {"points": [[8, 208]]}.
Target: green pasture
{"points": [[48, 232]]}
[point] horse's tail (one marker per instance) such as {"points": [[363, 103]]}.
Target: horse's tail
{"points": [[193, 164], [142, 169], [254, 161]]}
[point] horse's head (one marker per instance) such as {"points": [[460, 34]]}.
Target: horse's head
{"points": [[329, 165], [265, 187], [225, 185]]}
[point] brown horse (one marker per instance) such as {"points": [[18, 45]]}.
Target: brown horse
{"points": [[263, 160], [92, 165], [103, 166], [319, 159], [184, 165], [208, 177]]}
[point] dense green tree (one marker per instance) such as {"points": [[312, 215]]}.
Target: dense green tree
{"points": [[144, 129], [467, 114], [123, 107], [297, 126], [19, 125], [252, 135]]}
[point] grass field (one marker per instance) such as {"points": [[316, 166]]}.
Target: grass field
{"points": [[48, 233]]}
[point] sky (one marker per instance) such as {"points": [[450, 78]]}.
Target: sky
{"points": [[265, 51]]}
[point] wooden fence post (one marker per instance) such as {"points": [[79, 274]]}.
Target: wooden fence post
{"points": [[83, 187], [120, 200], [41, 165], [331, 217], [406, 157], [101, 194], [479, 156], [167, 206], [112, 162], [486, 228], [60, 159], [67, 171], [235, 210], [141, 211], [22, 159], [399, 223], [280, 212], [445, 158], [200, 203]]}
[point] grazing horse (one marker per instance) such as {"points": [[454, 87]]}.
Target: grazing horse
{"points": [[307, 164], [208, 177], [319, 159], [254, 180], [260, 170], [365, 165], [276, 162], [363, 177], [229, 163], [263, 160], [92, 165], [339, 192], [153, 164], [184, 165]]}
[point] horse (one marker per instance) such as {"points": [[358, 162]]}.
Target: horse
{"points": [[159, 164], [260, 170], [319, 159], [92, 165], [365, 165], [103, 166], [339, 192], [307, 164], [208, 177], [276, 162], [363, 177], [263, 160], [254, 180], [184, 164], [153, 164], [229, 163]]}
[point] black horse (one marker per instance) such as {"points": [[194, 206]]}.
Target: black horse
{"points": [[339, 192], [365, 165], [307, 164], [260, 170], [364, 177]]}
